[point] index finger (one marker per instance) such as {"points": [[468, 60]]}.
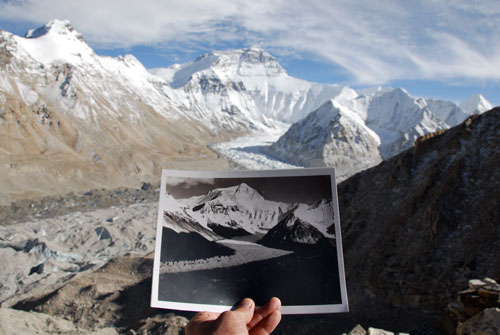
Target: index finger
{"points": [[262, 312]]}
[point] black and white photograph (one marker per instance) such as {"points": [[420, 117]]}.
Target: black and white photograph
{"points": [[224, 236]]}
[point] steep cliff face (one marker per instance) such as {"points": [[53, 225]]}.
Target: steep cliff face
{"points": [[417, 226]]}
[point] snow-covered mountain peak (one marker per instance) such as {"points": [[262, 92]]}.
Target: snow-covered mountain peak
{"points": [[59, 27], [324, 114], [397, 94], [229, 65], [373, 91], [475, 104], [390, 106], [57, 41], [333, 111], [243, 188], [256, 62], [346, 93], [240, 194], [251, 61]]}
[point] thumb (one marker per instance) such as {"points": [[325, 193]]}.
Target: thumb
{"points": [[245, 309]]}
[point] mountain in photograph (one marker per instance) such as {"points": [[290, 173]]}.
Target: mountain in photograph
{"points": [[292, 233], [238, 211], [72, 120], [228, 212]]}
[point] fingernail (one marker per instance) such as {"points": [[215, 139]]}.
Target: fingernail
{"points": [[247, 303]]}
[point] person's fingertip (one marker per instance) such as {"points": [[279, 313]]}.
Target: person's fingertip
{"points": [[267, 325], [274, 303], [247, 303]]}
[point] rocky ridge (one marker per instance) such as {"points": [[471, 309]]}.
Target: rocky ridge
{"points": [[420, 224], [71, 120]]}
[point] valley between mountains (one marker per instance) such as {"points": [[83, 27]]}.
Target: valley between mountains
{"points": [[83, 139]]}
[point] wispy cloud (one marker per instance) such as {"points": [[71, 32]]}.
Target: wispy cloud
{"points": [[374, 42], [187, 182]]}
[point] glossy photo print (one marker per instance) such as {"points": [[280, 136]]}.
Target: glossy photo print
{"points": [[224, 236]]}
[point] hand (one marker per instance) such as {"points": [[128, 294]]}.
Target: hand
{"points": [[244, 320]]}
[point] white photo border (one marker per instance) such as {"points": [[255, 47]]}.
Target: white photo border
{"points": [[287, 309]]}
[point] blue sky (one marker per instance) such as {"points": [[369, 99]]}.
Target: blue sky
{"points": [[433, 48]]}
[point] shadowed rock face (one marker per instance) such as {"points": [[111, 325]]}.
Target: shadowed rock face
{"points": [[291, 233], [418, 226]]}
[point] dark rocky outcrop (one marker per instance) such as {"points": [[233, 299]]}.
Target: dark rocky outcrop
{"points": [[417, 226], [475, 311]]}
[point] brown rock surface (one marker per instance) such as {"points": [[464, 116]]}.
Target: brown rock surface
{"points": [[69, 128], [45, 151]]}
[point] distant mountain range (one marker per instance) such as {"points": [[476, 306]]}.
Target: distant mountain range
{"points": [[73, 120], [240, 210]]}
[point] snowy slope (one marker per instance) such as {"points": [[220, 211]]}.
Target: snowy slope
{"points": [[247, 82], [319, 216], [399, 119], [353, 131], [57, 41], [83, 80], [330, 136], [475, 104]]}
